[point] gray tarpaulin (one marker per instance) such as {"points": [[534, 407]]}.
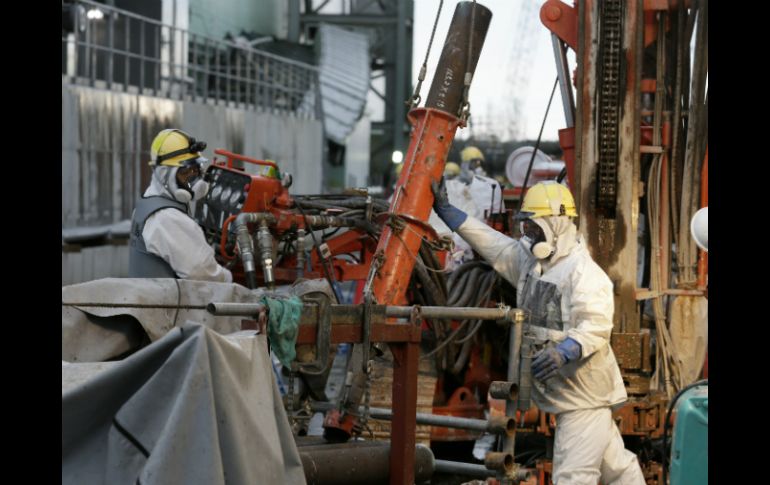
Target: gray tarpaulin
{"points": [[107, 318], [194, 407]]}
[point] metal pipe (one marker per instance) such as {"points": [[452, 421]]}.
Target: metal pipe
{"points": [[246, 245], [142, 49], [475, 471], [127, 47], [496, 425], [305, 443], [446, 91], [265, 241], [504, 390], [458, 313], [465, 469], [354, 464], [246, 250], [438, 312], [433, 131], [319, 222], [389, 275], [300, 252], [111, 55], [514, 376], [562, 69], [523, 474], [499, 461], [235, 309]]}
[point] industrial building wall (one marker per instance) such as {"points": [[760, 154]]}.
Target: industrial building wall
{"points": [[106, 138], [93, 263]]}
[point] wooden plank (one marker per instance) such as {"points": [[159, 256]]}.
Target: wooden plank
{"points": [[381, 390]]}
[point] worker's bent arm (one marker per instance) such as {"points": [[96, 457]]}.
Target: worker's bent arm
{"points": [[179, 240], [502, 252], [591, 307]]}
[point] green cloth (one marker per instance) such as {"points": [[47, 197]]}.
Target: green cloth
{"points": [[283, 327]]}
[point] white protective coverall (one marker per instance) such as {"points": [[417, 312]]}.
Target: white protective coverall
{"points": [[460, 196], [179, 240], [571, 296], [487, 194], [474, 199]]}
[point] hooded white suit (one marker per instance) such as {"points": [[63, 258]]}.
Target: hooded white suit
{"points": [[568, 295], [178, 239]]}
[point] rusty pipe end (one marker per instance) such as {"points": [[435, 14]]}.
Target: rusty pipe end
{"points": [[501, 425], [505, 390], [499, 461]]}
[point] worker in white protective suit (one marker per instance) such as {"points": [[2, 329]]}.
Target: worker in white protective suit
{"points": [[460, 196], [472, 192], [486, 192], [569, 300], [165, 241]]}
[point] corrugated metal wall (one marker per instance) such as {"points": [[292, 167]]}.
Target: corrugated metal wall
{"points": [[93, 263], [106, 138]]}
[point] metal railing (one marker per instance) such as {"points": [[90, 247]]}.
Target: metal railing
{"points": [[120, 50]]}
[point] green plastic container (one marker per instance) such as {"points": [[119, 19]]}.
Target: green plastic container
{"points": [[690, 445]]}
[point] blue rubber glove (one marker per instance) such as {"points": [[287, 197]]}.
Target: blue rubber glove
{"points": [[451, 215], [551, 359]]}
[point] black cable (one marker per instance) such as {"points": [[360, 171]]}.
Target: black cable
{"points": [[429, 287], [331, 233], [703, 382], [537, 144], [329, 276], [531, 460], [348, 203], [562, 174], [431, 262], [470, 287]]}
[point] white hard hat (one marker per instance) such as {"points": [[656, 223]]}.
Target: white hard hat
{"points": [[699, 228]]}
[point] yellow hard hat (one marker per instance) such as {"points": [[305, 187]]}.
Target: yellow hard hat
{"points": [[171, 147], [471, 153], [451, 169], [548, 198]]}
